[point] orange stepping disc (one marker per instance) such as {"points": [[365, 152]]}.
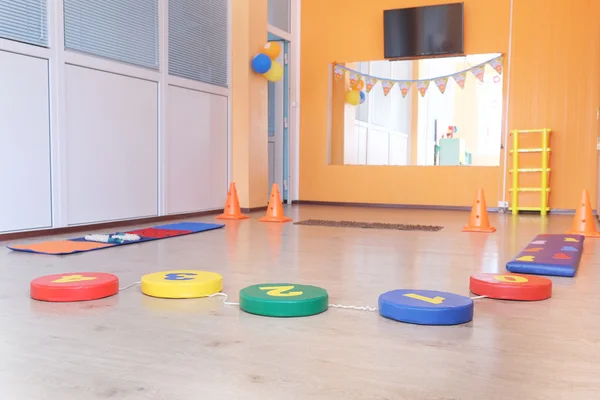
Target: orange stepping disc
{"points": [[511, 286], [74, 286]]}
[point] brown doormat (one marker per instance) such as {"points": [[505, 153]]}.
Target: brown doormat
{"points": [[369, 225]]}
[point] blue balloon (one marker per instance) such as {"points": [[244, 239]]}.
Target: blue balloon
{"points": [[261, 63], [363, 97]]}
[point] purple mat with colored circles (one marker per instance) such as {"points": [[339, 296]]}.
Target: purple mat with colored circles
{"points": [[80, 245], [555, 255]]}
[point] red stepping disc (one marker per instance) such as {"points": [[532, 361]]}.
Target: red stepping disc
{"points": [[74, 286], [511, 286]]}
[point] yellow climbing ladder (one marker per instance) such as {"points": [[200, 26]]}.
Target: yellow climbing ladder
{"points": [[543, 168]]}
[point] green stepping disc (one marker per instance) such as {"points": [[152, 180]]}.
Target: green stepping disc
{"points": [[283, 300]]}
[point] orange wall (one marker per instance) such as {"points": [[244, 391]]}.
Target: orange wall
{"points": [[542, 93], [555, 83], [249, 116]]}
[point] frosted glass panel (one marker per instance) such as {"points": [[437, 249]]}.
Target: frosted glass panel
{"points": [[377, 147], [198, 40], [24, 21], [279, 14], [125, 31]]}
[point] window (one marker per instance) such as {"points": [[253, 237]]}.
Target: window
{"points": [[24, 21], [475, 111], [380, 135], [279, 14], [198, 40], [125, 31], [271, 108]]}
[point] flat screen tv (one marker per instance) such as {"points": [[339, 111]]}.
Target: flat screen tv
{"points": [[424, 31]]}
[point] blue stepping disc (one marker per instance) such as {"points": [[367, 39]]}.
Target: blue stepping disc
{"points": [[426, 307]]}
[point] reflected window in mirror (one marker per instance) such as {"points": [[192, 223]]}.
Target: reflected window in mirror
{"points": [[457, 120]]}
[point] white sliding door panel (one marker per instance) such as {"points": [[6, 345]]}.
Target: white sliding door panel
{"points": [[26, 200], [196, 151], [112, 146]]}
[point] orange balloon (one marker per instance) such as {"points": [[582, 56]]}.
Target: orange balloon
{"points": [[359, 85], [272, 49]]}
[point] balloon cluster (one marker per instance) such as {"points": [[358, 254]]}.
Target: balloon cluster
{"points": [[355, 95], [264, 62]]}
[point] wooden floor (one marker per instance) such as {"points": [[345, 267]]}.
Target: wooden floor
{"points": [[132, 347]]}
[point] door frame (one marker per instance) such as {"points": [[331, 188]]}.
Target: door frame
{"points": [[280, 128], [291, 189]]}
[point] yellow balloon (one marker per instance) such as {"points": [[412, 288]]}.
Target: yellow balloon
{"points": [[275, 73], [353, 97], [272, 49]]}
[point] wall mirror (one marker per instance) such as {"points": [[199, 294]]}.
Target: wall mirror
{"points": [[428, 112]]}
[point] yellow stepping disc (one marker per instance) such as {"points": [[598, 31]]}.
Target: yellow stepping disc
{"points": [[181, 284]]}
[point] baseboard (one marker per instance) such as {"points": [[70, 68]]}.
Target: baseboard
{"points": [[386, 205], [254, 209], [556, 211], [103, 225]]}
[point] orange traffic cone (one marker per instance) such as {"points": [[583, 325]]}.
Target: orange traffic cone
{"points": [[479, 222], [583, 222], [275, 209], [232, 205]]}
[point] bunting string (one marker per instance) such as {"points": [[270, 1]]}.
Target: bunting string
{"points": [[422, 85]]}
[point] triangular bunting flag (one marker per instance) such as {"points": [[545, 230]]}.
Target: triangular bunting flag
{"points": [[338, 72], [359, 78], [354, 77], [370, 82], [387, 86], [441, 83], [404, 87], [496, 63], [460, 79], [422, 87], [478, 72]]}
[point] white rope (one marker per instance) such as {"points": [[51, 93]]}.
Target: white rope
{"points": [[228, 303], [359, 308], [231, 303], [368, 308], [130, 286]]}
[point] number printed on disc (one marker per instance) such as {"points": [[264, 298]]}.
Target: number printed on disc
{"points": [[74, 286], [181, 284], [283, 300], [426, 307], [509, 286]]}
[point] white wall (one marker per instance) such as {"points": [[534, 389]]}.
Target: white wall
{"points": [[85, 139]]}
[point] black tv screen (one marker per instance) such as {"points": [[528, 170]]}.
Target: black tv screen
{"points": [[424, 31]]}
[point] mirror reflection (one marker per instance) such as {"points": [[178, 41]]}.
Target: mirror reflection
{"points": [[440, 111]]}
